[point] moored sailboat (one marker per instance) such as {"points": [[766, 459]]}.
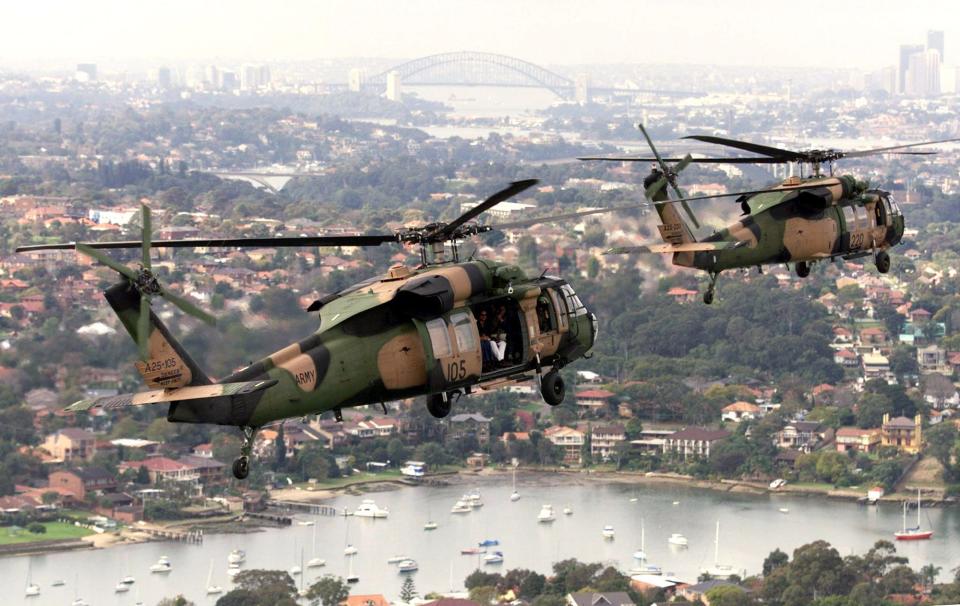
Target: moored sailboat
{"points": [[915, 533]]}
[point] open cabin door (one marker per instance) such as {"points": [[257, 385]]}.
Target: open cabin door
{"points": [[547, 319], [452, 347]]}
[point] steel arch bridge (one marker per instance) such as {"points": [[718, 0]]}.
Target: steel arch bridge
{"points": [[472, 68]]}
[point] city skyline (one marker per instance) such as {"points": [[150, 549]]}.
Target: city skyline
{"points": [[551, 33]]}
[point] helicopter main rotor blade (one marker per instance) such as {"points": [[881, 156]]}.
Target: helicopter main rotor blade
{"points": [[759, 160], [147, 234], [143, 328], [187, 307], [599, 211], [85, 249], [504, 194], [766, 150], [893, 148], [282, 241]]}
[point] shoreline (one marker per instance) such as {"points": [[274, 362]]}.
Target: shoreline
{"points": [[238, 523]]}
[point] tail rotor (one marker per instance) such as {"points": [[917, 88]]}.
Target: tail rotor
{"points": [[145, 282]]}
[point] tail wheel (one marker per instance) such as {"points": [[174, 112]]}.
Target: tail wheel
{"points": [[438, 405], [802, 268], [883, 261], [552, 388], [241, 468]]}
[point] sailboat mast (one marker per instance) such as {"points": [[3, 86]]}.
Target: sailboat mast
{"points": [[716, 546], [918, 508]]}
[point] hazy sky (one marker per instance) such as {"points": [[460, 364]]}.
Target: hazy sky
{"points": [[836, 33]]}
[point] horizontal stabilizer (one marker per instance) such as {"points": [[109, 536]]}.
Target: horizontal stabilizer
{"points": [[675, 248], [160, 396]]}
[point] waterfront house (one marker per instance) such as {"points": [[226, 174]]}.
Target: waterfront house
{"points": [[800, 435], [855, 438], [467, 425], [604, 439], [903, 433], [693, 441], [594, 399], [570, 440], [71, 443], [81, 482]]}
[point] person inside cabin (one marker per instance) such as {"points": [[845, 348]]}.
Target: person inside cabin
{"points": [[486, 349], [543, 313], [498, 333]]}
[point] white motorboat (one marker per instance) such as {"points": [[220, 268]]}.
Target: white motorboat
{"points": [[121, 588], [676, 502], [677, 539], [350, 550], [784, 510], [778, 483], [369, 509], [473, 499], [34, 590], [431, 525], [461, 506], [493, 558], [162, 566], [567, 511], [407, 565], [397, 559], [546, 514], [237, 556], [608, 532]]}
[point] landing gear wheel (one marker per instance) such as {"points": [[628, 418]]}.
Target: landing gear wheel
{"points": [[802, 268], [438, 405], [883, 262], [552, 388], [708, 297], [241, 468]]}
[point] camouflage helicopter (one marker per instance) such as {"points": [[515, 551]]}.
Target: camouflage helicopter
{"points": [[411, 332], [801, 221]]}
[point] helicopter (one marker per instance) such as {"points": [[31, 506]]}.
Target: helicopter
{"points": [[802, 220], [408, 333]]}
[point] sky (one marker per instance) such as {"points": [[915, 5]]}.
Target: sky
{"points": [[811, 33]]}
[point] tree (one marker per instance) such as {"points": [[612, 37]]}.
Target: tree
{"points": [[484, 594], [929, 574], [330, 590], [281, 448], [728, 595], [408, 591], [775, 560], [37, 528], [942, 445], [871, 409], [259, 580]]}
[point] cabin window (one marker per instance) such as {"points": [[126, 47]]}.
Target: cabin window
{"points": [[561, 309], [463, 328], [849, 218], [439, 338], [861, 213], [574, 304]]}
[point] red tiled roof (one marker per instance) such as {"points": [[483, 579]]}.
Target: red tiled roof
{"points": [[595, 394]]}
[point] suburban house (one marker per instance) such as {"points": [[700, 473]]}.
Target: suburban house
{"points": [[594, 598], [188, 469], [71, 443], [740, 411], [604, 439], [693, 441], [82, 482], [374, 428], [569, 439], [932, 359], [594, 399], [875, 365], [904, 433], [469, 424], [800, 435], [860, 440]]}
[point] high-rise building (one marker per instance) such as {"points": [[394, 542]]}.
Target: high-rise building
{"points": [[229, 80], [923, 74], [906, 51], [253, 76], [211, 77], [164, 77], [356, 79], [86, 72], [935, 42], [394, 88]]}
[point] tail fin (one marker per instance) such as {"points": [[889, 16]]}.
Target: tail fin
{"points": [[168, 365]]}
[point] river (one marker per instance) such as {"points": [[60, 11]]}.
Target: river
{"points": [[750, 527]]}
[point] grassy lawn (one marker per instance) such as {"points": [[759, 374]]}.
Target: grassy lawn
{"points": [[55, 531]]}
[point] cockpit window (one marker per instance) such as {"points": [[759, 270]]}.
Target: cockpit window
{"points": [[439, 338], [574, 304]]}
